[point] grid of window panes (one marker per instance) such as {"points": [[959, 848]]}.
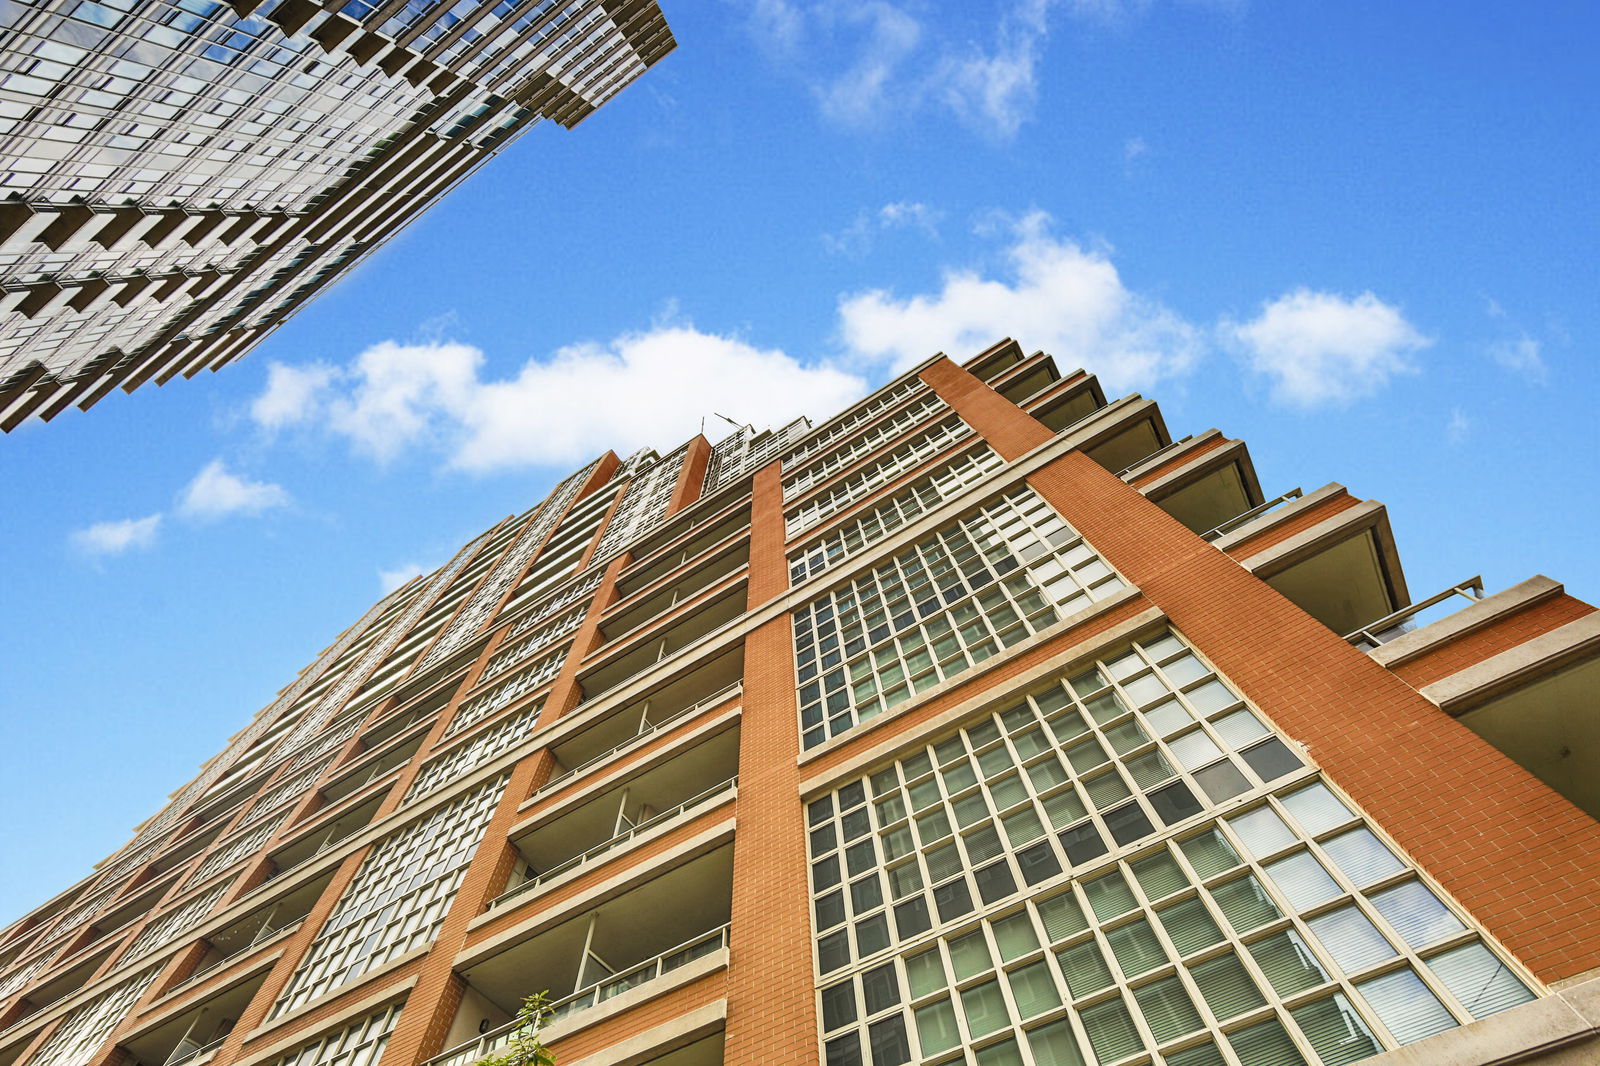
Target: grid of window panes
{"points": [[643, 505], [1284, 932], [571, 594], [173, 924], [242, 845], [903, 507], [504, 693], [82, 912], [871, 408], [398, 898], [330, 740], [869, 479], [745, 451], [358, 1045], [17, 979], [879, 434], [985, 582], [289, 789], [508, 568], [80, 1034], [518, 653], [464, 758]]}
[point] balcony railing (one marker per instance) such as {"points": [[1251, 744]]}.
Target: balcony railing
{"points": [[590, 995], [199, 1053], [1164, 449], [720, 696], [256, 941], [731, 784], [1378, 633], [1255, 512]]}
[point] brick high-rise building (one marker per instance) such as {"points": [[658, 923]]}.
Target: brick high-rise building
{"points": [[981, 723], [177, 177]]}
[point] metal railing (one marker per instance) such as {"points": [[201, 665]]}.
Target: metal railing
{"points": [[1397, 624], [1164, 449], [203, 1049], [720, 696], [730, 785], [1255, 512], [590, 995], [261, 937]]}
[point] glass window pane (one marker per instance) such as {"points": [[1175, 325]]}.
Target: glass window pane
{"points": [[1082, 843], [970, 955], [1167, 1009], [1352, 940], [1416, 914], [1200, 1055], [1014, 936], [1301, 877], [1083, 968], [1061, 916], [1288, 963], [844, 1050], [880, 988], [1136, 947], [1482, 983], [925, 973], [1054, 1045], [1005, 1053], [1404, 1004], [1239, 728], [1128, 823], [1362, 856], [1033, 990], [1316, 808], [1336, 1031], [1262, 831], [888, 1039], [1222, 781], [1209, 853], [1190, 926], [1109, 896], [1194, 749], [936, 1027], [1227, 987], [985, 1008], [838, 1005], [1175, 802], [1266, 1043], [1111, 1031], [1271, 759], [1245, 903], [1159, 875]]}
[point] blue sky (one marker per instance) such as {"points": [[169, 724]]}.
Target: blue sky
{"points": [[1360, 236]]}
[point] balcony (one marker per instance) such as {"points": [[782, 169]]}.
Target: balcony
{"points": [[314, 839], [1519, 668], [1330, 553], [193, 1036], [643, 941], [1076, 397], [631, 725], [1201, 480], [654, 601], [1027, 378], [613, 666], [665, 552], [644, 801], [252, 932], [1124, 434]]}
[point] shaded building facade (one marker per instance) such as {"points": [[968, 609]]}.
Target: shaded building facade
{"points": [[982, 723], [177, 178]]}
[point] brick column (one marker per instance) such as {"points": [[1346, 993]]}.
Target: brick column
{"points": [[1515, 853], [771, 1010]]}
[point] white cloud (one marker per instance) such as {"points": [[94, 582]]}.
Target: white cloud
{"points": [[291, 395], [1522, 356], [215, 493], [858, 237], [393, 579], [639, 389], [994, 90], [864, 92], [1320, 348], [1058, 296], [1456, 430], [114, 538]]}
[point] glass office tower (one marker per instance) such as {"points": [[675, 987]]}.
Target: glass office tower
{"points": [[177, 178]]}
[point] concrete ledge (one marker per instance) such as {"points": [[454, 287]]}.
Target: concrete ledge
{"points": [[1261, 523], [636, 996], [1474, 616], [661, 1039], [1308, 542], [1562, 1029], [1543, 654], [359, 1008], [1230, 451]]}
